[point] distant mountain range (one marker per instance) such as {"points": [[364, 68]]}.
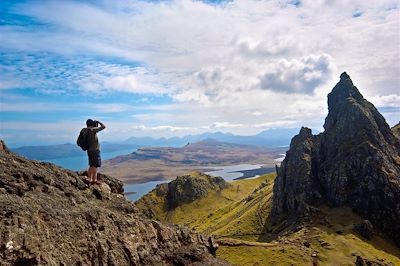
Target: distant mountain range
{"points": [[268, 138]]}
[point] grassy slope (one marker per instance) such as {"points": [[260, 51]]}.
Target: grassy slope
{"points": [[236, 216], [220, 213]]}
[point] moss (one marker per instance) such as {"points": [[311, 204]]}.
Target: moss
{"points": [[244, 255], [221, 210], [153, 206], [342, 249]]}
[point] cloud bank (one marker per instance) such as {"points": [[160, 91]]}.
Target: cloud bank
{"points": [[236, 65]]}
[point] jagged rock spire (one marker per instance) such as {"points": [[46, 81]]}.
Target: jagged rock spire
{"points": [[354, 162], [343, 92], [352, 118]]}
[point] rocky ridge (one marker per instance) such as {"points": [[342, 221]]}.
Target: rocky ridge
{"points": [[354, 162], [51, 216]]}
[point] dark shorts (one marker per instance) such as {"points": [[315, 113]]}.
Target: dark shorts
{"points": [[94, 158]]}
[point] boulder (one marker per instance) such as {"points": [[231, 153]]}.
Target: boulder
{"points": [[364, 229]]}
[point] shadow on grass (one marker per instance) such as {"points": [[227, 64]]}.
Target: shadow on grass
{"points": [[331, 233]]}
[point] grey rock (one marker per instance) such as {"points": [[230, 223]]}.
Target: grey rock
{"points": [[354, 162], [360, 261], [364, 229], [396, 130], [188, 188], [115, 185], [50, 216]]}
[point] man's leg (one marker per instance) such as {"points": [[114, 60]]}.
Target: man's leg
{"points": [[94, 174], [89, 173]]}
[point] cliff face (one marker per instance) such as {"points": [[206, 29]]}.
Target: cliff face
{"points": [[51, 216], [354, 162], [396, 130]]}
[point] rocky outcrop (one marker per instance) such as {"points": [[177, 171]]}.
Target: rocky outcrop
{"points": [[360, 261], [364, 229], [295, 189], [3, 146], [355, 162], [51, 216], [396, 130], [188, 188]]}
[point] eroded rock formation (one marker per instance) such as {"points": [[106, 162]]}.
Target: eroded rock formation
{"points": [[188, 188], [355, 162]]}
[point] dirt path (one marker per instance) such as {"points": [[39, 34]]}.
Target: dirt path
{"points": [[231, 242], [236, 242]]}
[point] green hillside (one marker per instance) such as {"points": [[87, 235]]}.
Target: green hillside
{"points": [[237, 218], [244, 203]]}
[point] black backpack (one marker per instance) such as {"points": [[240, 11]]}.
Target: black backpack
{"points": [[83, 139]]}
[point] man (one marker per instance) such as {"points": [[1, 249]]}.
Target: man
{"points": [[94, 148]]}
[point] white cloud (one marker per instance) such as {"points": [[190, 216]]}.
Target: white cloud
{"points": [[9, 84], [247, 63], [161, 131], [139, 127], [59, 74], [43, 126], [171, 128], [298, 76], [122, 83], [226, 125], [257, 113], [26, 106], [391, 100], [131, 83]]}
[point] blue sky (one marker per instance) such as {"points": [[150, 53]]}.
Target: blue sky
{"points": [[171, 68]]}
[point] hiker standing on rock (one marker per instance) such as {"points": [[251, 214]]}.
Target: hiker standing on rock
{"points": [[88, 140]]}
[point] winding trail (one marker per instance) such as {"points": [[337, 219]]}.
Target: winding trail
{"points": [[231, 242]]}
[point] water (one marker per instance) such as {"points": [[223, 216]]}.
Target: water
{"points": [[140, 189], [227, 172], [230, 172], [280, 159], [81, 162]]}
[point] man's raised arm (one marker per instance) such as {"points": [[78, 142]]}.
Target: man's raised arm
{"points": [[101, 127]]}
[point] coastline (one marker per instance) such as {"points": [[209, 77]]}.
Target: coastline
{"points": [[254, 172]]}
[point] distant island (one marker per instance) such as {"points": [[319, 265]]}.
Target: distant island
{"points": [[255, 172]]}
